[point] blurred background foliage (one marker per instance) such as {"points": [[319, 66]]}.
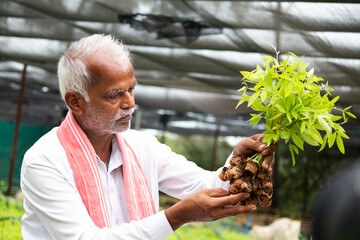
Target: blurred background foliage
{"points": [[11, 210], [199, 149]]}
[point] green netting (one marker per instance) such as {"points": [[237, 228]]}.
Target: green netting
{"points": [[28, 135]]}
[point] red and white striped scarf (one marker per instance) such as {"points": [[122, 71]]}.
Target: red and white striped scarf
{"points": [[82, 159]]}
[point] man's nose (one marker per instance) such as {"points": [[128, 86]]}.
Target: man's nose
{"points": [[128, 100]]}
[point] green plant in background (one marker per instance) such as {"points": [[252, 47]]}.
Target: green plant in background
{"points": [[198, 148], [11, 210], [294, 103], [217, 230]]}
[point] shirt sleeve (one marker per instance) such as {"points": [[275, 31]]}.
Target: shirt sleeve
{"points": [[60, 209], [179, 177]]}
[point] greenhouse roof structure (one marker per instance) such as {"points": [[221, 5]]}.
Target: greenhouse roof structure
{"points": [[187, 55]]}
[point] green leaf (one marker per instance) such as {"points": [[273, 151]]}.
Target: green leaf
{"points": [[316, 134], [309, 138], [324, 142], [340, 144], [285, 135], [292, 54], [243, 89], [303, 126], [253, 98], [258, 85], [324, 124], [246, 74], [288, 117], [292, 155], [276, 116], [332, 102], [242, 100], [269, 139], [257, 106], [311, 72], [350, 114], [338, 127], [296, 150], [298, 141], [263, 96], [276, 63], [332, 139], [342, 134], [255, 119], [281, 109], [288, 90], [268, 60], [335, 118]]}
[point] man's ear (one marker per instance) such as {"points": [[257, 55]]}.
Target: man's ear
{"points": [[75, 102]]}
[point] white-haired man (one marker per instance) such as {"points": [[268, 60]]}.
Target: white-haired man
{"points": [[93, 178]]}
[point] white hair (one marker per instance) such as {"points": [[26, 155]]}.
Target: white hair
{"points": [[73, 70]]}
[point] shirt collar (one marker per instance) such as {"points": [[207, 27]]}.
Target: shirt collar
{"points": [[115, 158]]}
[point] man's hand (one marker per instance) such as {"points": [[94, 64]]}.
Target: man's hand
{"points": [[207, 205], [249, 146]]}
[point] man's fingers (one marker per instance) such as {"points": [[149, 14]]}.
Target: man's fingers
{"points": [[250, 146], [217, 192], [230, 200], [270, 150], [258, 137], [234, 210], [266, 164], [238, 209], [268, 154]]}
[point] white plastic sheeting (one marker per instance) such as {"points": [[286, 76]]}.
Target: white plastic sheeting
{"points": [[187, 54]]}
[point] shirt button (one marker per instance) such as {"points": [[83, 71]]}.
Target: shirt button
{"points": [[117, 221]]}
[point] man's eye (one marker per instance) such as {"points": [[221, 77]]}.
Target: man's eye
{"points": [[131, 90], [114, 96]]}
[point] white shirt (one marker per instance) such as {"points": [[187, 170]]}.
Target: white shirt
{"points": [[53, 206]]}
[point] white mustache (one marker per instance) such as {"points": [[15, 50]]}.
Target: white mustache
{"points": [[125, 113]]}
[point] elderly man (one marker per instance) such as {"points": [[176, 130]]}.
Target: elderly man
{"points": [[93, 178]]}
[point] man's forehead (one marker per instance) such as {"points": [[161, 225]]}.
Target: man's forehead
{"points": [[105, 68]]}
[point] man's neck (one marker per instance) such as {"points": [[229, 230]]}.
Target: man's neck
{"points": [[102, 145], [100, 141]]}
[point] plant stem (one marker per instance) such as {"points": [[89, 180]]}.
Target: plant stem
{"points": [[258, 157]]}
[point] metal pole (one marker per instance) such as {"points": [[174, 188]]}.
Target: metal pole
{"points": [[275, 175], [16, 132], [278, 27], [214, 149], [138, 119]]}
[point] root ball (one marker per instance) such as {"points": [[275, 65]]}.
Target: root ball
{"points": [[245, 175]]}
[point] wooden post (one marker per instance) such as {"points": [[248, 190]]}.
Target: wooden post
{"points": [[16, 131], [214, 149]]}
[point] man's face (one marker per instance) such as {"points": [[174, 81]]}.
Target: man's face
{"points": [[112, 98]]}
